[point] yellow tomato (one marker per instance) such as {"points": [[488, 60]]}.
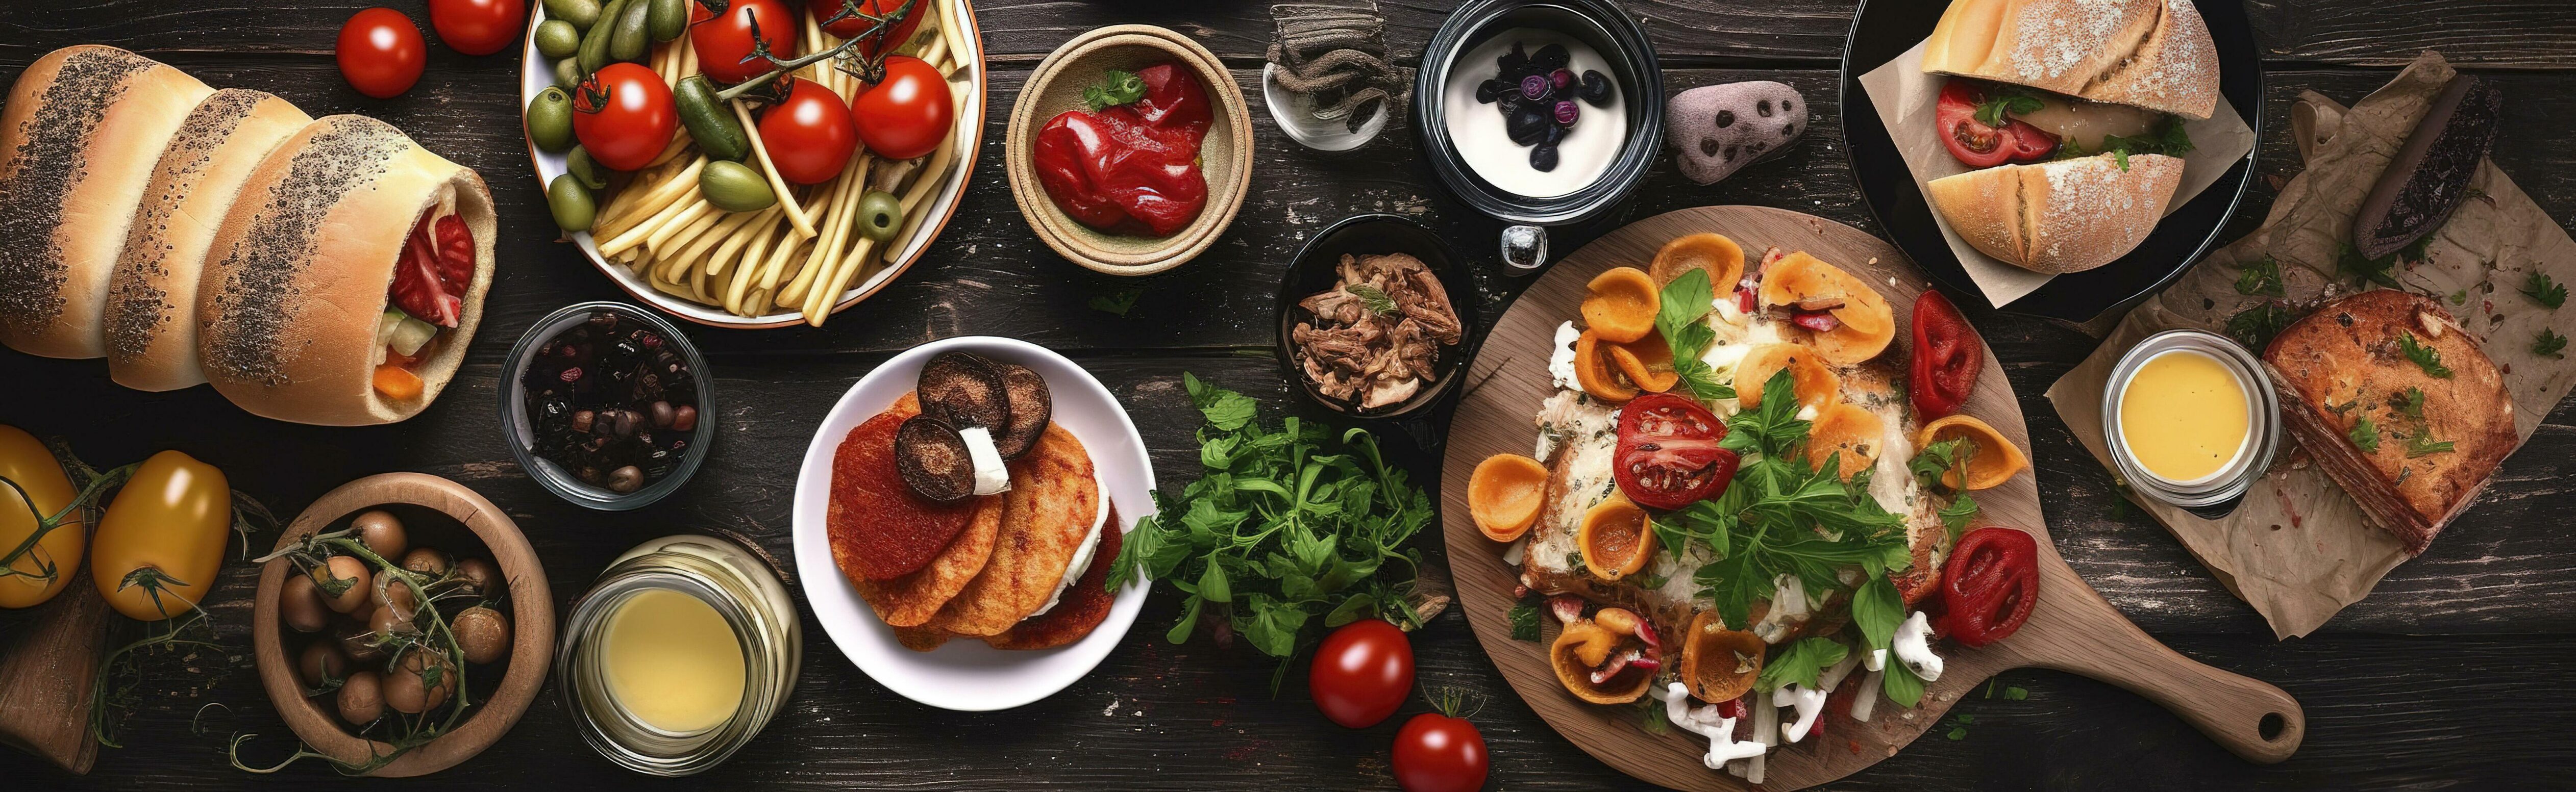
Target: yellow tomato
{"points": [[32, 467], [162, 539]]}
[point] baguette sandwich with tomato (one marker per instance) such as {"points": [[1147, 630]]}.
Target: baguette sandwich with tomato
{"points": [[2070, 113]]}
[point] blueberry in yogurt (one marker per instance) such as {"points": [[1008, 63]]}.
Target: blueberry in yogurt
{"points": [[1536, 94]]}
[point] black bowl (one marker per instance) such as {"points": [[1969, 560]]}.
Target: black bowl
{"points": [[1314, 271], [1885, 29], [1612, 33]]}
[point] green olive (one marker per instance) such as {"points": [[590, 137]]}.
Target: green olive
{"points": [[568, 74], [581, 14], [571, 204], [550, 119], [735, 187], [557, 38], [667, 19], [880, 216], [583, 168]]}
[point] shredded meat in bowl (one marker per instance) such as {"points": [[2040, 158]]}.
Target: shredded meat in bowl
{"points": [[1377, 333]]}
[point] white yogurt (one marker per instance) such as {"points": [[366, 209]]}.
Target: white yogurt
{"points": [[1476, 128]]}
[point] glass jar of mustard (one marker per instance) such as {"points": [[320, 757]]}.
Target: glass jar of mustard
{"points": [[2191, 420], [679, 654]]}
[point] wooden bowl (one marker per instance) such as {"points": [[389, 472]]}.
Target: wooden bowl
{"points": [[532, 623], [1225, 158]]}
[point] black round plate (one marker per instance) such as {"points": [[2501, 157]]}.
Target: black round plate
{"points": [[1885, 29]]}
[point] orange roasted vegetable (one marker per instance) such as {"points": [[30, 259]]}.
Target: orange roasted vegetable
{"points": [[1815, 385], [397, 383], [1585, 645], [1720, 256], [1622, 305], [41, 567], [1994, 461], [1855, 433], [1594, 371], [1717, 663], [1864, 323], [1648, 362], [1615, 538], [1505, 494], [162, 540]]}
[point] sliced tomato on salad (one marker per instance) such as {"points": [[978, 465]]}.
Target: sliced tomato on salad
{"points": [[1667, 456], [1979, 145]]}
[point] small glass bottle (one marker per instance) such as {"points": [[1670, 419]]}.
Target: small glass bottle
{"points": [[741, 589]]}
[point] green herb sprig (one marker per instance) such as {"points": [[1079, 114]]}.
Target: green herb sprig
{"points": [[1118, 88], [2426, 358], [2541, 289], [1686, 301]]}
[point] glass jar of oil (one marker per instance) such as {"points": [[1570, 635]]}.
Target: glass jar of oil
{"points": [[679, 654]]}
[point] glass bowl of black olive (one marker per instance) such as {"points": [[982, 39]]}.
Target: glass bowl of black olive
{"points": [[607, 405]]}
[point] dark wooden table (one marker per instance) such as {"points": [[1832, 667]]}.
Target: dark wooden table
{"points": [[2453, 675]]}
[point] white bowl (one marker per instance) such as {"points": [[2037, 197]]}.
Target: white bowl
{"points": [[536, 72], [967, 675]]}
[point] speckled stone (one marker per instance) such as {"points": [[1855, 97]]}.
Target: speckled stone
{"points": [[1718, 129]]}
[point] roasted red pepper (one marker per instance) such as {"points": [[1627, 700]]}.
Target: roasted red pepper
{"points": [[1989, 585], [1132, 168], [434, 270], [1947, 357]]}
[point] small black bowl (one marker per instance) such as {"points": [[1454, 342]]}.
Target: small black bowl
{"points": [[1612, 33], [1314, 271], [1885, 29]]}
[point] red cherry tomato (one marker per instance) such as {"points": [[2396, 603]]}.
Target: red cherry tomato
{"points": [[853, 25], [381, 52], [477, 27], [1438, 753], [1989, 585], [723, 44], [1978, 145], [1667, 455], [1947, 356], [809, 136], [1362, 673], [624, 116], [906, 114]]}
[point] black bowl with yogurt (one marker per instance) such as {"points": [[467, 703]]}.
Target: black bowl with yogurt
{"points": [[1602, 158]]}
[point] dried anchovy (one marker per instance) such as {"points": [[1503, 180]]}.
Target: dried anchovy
{"points": [[1337, 55]]}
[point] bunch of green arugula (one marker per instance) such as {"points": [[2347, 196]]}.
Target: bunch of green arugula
{"points": [[1285, 528]]}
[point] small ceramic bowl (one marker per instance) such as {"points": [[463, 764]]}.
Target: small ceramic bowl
{"points": [[1225, 158], [519, 431], [1622, 45], [1314, 270], [435, 511]]}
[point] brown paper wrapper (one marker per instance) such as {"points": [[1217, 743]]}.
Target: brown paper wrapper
{"points": [[2298, 549]]}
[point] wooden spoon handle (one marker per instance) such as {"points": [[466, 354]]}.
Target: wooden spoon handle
{"points": [[2073, 629]]}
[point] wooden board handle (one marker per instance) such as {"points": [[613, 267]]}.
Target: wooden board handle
{"points": [[2073, 629]]}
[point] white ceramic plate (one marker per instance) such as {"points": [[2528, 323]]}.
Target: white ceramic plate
{"points": [[536, 71], [965, 674]]}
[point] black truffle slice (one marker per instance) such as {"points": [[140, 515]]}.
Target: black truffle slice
{"points": [[965, 390], [933, 459], [1032, 406]]}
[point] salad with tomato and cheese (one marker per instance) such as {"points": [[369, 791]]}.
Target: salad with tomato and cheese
{"points": [[1747, 498]]}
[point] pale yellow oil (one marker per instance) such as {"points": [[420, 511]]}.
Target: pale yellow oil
{"points": [[2183, 416], [672, 661]]}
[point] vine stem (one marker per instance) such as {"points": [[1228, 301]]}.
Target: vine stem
{"points": [[875, 33]]}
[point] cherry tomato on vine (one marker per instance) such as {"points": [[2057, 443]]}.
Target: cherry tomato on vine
{"points": [[907, 113], [624, 116], [162, 540], [478, 27], [1439, 753], [381, 52], [723, 43], [1362, 672], [809, 135], [853, 25]]}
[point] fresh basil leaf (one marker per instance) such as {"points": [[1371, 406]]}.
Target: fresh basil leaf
{"points": [[1189, 623], [1878, 610], [1800, 664], [1900, 684]]}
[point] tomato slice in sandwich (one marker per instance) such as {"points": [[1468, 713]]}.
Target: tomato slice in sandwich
{"points": [[1978, 145], [1667, 456]]}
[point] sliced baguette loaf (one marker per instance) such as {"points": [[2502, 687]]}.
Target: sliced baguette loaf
{"points": [[2064, 216], [2348, 363], [2155, 54]]}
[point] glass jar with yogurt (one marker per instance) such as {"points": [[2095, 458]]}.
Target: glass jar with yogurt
{"points": [[681, 651]]}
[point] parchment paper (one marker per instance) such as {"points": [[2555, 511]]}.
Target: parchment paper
{"points": [[2298, 549], [1906, 99]]}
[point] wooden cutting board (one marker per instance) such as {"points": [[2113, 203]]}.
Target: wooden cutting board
{"points": [[2071, 629]]}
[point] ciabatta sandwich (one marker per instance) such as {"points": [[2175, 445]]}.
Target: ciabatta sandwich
{"points": [[2071, 113]]}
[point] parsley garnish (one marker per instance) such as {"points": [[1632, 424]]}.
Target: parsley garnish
{"points": [[2168, 138], [2365, 435], [1685, 301], [2382, 270], [2260, 277], [2544, 291], [1120, 87], [1284, 528], [1118, 303], [1524, 620], [2421, 445], [2256, 325], [1800, 664], [2426, 358], [2003, 102], [2412, 406], [2550, 343]]}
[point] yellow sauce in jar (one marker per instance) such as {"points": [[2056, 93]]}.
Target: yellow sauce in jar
{"points": [[2183, 416], [673, 662]]}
